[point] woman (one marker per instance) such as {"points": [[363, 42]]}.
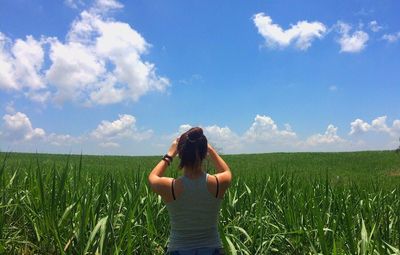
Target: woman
{"points": [[193, 200]]}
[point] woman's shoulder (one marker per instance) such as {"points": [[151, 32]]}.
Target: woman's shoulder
{"points": [[215, 186]]}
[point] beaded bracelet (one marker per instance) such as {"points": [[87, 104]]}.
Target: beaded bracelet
{"points": [[167, 159]]}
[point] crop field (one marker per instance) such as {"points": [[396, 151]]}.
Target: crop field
{"points": [[278, 203]]}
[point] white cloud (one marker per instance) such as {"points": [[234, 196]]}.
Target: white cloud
{"points": [[20, 63], [41, 96], [395, 129], [96, 43], [62, 139], [28, 60], [18, 127], [379, 124], [222, 137], [124, 127], [219, 132], [168, 138], [263, 135], [74, 69], [264, 129], [98, 5], [301, 34], [107, 93], [100, 62], [7, 76], [329, 137], [374, 26], [117, 127], [359, 126], [391, 38], [183, 128], [354, 42]]}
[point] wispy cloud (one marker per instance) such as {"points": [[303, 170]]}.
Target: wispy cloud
{"points": [[333, 88], [374, 26], [194, 78], [391, 38], [351, 42], [74, 3]]}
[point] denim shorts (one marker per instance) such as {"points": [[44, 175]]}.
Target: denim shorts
{"points": [[199, 251]]}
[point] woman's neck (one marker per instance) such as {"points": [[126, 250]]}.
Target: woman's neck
{"points": [[192, 173]]}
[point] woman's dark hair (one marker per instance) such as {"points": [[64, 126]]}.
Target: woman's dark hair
{"points": [[192, 148]]}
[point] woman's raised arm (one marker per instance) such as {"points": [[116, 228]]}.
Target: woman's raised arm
{"points": [[223, 172], [157, 181]]}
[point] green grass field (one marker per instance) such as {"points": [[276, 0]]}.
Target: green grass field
{"points": [[279, 203]]}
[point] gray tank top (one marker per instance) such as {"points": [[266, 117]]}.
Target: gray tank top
{"points": [[194, 217]]}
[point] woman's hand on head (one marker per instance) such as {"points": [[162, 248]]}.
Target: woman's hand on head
{"points": [[173, 149]]}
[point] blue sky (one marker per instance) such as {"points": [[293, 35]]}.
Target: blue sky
{"points": [[109, 77]]}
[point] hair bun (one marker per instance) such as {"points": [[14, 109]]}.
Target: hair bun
{"points": [[195, 133], [192, 148]]}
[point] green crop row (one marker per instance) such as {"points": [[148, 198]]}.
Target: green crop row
{"points": [[284, 203]]}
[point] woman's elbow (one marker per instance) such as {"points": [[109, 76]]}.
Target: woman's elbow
{"points": [[150, 180]]}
